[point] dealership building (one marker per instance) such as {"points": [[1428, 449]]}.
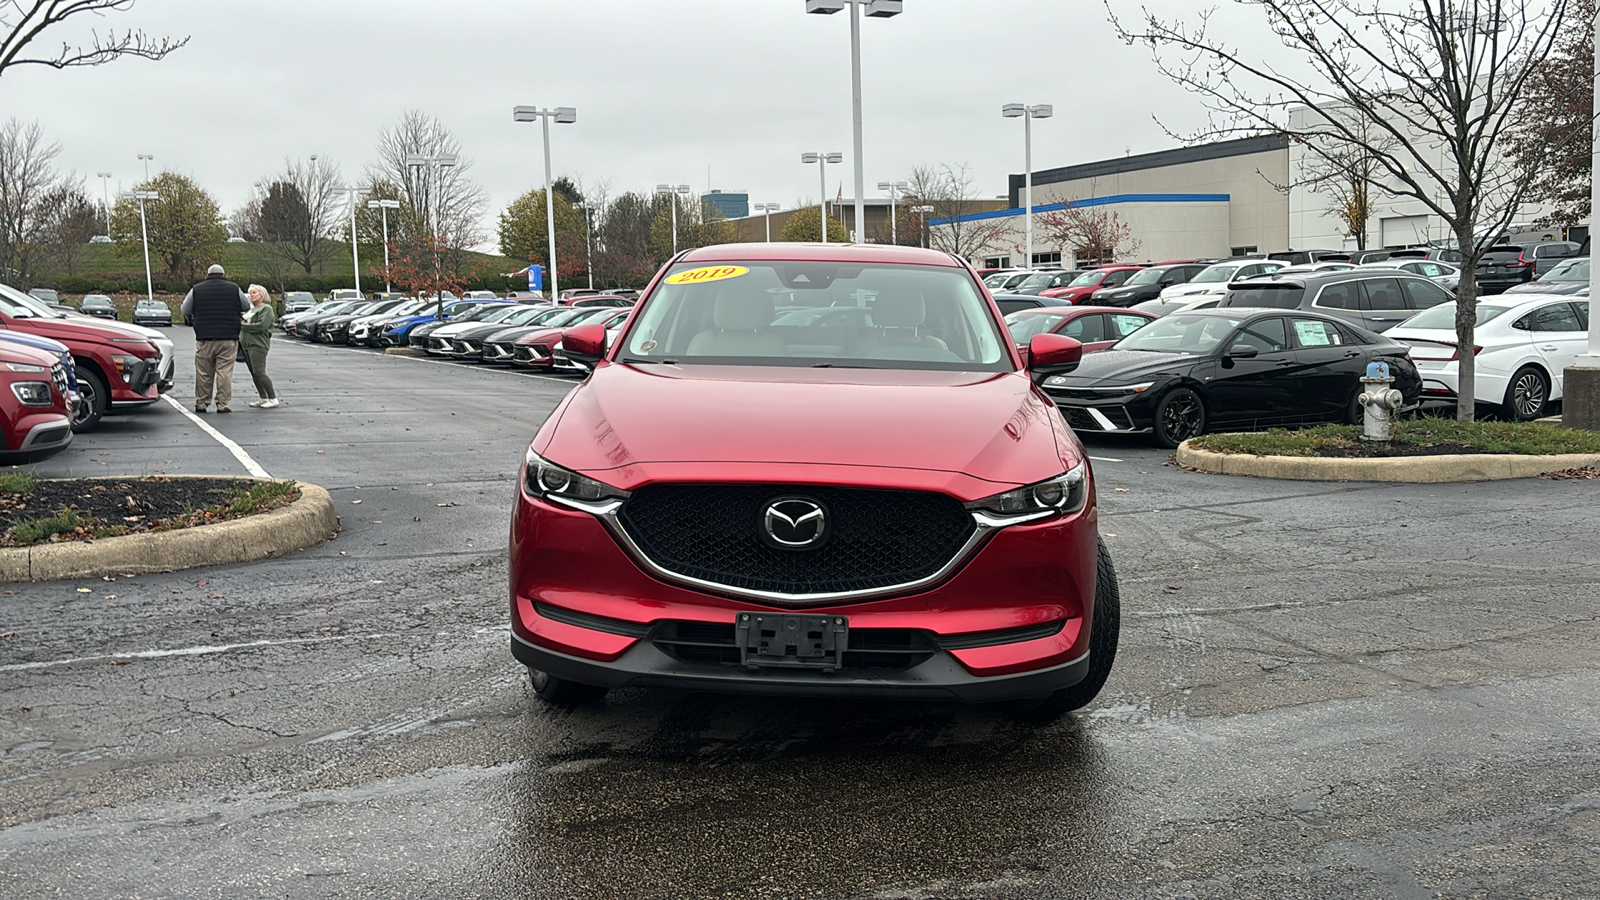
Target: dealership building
{"points": [[1227, 198]]}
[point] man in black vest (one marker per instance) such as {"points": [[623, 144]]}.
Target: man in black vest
{"points": [[216, 305]]}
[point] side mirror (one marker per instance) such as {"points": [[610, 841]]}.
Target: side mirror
{"points": [[1052, 354], [1243, 351], [585, 343]]}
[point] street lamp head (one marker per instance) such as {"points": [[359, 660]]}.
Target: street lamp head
{"points": [[663, 188], [1042, 111], [885, 186], [883, 9], [104, 174], [140, 195], [1013, 110], [922, 209], [683, 189], [147, 156], [417, 159], [835, 157], [824, 7], [524, 113], [809, 157], [566, 115]]}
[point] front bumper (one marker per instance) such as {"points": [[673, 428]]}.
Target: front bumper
{"points": [[41, 432], [140, 386], [1010, 620], [1096, 412]]}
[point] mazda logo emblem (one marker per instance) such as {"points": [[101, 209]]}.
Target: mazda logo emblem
{"points": [[794, 523]]}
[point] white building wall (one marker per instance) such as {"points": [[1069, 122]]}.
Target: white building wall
{"points": [[1165, 230]]}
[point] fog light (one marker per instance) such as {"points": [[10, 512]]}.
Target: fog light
{"points": [[32, 393]]}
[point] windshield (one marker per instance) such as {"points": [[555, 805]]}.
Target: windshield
{"points": [[15, 303], [1024, 326], [1571, 270], [1146, 276], [1214, 274], [1041, 280], [1444, 316], [1087, 279], [1181, 333], [914, 317]]}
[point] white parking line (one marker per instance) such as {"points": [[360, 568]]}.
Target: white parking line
{"points": [[1104, 459], [193, 651], [250, 465]]}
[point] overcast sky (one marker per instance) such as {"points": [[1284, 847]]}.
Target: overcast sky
{"points": [[714, 93]]}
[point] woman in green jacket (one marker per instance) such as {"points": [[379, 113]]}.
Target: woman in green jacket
{"points": [[255, 339]]}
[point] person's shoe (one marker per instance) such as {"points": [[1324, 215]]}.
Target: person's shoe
{"points": [[199, 409], [258, 402], [270, 404], [223, 409]]}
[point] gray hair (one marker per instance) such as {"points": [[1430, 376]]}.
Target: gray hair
{"points": [[265, 297]]}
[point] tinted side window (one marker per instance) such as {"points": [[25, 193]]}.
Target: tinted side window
{"points": [[1424, 294], [1267, 336], [1113, 279], [1007, 307], [1086, 329], [1383, 293], [1556, 317], [1270, 295], [1340, 296]]}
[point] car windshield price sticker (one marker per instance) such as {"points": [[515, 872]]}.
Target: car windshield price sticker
{"points": [[708, 273]]}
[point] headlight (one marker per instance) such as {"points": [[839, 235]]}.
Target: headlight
{"points": [[22, 367], [32, 393], [1061, 495], [542, 478]]}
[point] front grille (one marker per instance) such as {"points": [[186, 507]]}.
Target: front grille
{"points": [[58, 375], [1079, 419], [523, 353], [878, 539], [709, 643]]}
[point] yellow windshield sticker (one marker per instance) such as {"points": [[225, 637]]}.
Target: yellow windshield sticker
{"points": [[705, 274]]}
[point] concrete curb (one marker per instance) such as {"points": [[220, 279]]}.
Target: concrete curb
{"points": [[403, 351], [306, 522], [1411, 469]]}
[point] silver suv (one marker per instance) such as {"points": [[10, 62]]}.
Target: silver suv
{"points": [[1376, 300]]}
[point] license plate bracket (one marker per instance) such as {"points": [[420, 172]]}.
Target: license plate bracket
{"points": [[788, 640]]}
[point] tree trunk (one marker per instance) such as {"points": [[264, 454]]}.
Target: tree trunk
{"points": [[1466, 322]]}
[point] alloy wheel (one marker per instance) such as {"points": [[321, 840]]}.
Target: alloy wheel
{"points": [[1180, 418], [1528, 395]]}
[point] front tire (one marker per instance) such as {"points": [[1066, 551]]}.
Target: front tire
{"points": [[1106, 628], [1527, 395], [93, 401], [561, 692], [1180, 415]]}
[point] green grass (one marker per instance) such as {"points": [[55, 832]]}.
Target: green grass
{"points": [[18, 482], [32, 531], [1534, 438]]}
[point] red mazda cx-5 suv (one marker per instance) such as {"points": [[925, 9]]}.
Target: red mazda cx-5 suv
{"points": [[738, 499]]}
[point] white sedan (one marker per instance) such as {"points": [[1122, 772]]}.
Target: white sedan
{"points": [[1441, 273], [1524, 344]]}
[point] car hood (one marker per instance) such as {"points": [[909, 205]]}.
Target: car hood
{"points": [[83, 328], [1118, 365], [627, 424], [507, 335], [1194, 290], [540, 333], [1548, 287]]}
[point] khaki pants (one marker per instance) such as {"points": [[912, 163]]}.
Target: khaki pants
{"points": [[213, 361]]}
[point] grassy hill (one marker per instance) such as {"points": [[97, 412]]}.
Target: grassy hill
{"points": [[110, 269]]}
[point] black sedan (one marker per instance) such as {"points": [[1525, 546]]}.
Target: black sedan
{"points": [[98, 305], [1228, 369]]}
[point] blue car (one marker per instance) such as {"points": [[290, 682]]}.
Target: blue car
{"points": [[396, 332]]}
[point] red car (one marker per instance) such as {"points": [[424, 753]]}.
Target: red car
{"points": [[113, 362], [1095, 327], [741, 499], [1091, 281], [536, 349], [35, 406]]}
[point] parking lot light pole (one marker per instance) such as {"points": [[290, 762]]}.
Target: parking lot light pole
{"points": [[105, 197], [895, 188], [1581, 408], [355, 255], [673, 191], [877, 9], [144, 235], [431, 166], [822, 160], [145, 158], [384, 206], [767, 209], [924, 210], [588, 241], [564, 115], [1027, 114]]}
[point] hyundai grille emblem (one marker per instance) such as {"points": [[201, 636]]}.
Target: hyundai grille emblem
{"points": [[794, 523]]}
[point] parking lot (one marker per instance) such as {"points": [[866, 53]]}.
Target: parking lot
{"points": [[1328, 690]]}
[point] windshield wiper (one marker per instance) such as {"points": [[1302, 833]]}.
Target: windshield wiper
{"points": [[649, 362], [837, 366]]}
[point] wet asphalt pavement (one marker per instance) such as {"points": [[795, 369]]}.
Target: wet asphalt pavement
{"points": [[1323, 690]]}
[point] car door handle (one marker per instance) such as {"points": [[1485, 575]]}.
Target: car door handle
{"points": [[1285, 362], [1352, 354], [1548, 347]]}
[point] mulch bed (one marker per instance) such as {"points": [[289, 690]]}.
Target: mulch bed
{"points": [[131, 505], [1382, 449]]}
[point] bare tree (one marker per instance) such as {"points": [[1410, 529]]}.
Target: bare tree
{"points": [[1346, 173], [24, 21], [27, 176], [438, 196], [1441, 80], [70, 219], [948, 189], [1096, 233], [300, 212]]}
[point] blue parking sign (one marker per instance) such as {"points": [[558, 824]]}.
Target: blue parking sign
{"points": [[535, 278]]}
